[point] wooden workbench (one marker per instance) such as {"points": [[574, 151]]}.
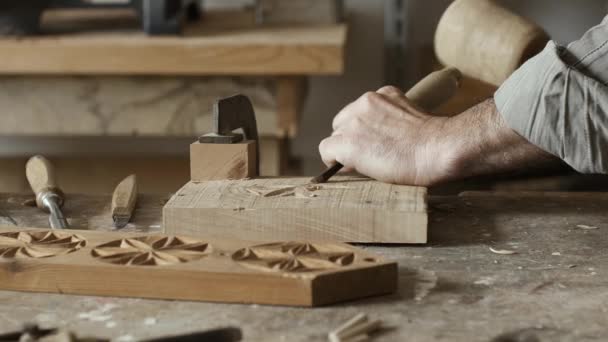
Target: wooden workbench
{"points": [[453, 289]]}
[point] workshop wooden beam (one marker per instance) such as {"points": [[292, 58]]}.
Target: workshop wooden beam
{"points": [[241, 49]]}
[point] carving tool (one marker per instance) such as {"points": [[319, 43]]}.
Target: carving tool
{"points": [[432, 91], [123, 201], [49, 197]]}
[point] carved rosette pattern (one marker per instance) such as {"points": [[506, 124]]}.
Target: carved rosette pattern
{"points": [[293, 257], [151, 251], [42, 244]]}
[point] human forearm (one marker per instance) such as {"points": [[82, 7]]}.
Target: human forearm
{"points": [[384, 136], [480, 142]]}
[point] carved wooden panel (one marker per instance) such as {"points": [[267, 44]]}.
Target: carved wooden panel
{"points": [[151, 250], [174, 267], [35, 245]]}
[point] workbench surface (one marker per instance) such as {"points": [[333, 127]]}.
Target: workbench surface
{"points": [[453, 289]]}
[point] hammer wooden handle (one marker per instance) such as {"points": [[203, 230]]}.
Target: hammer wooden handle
{"points": [[41, 176], [435, 89]]}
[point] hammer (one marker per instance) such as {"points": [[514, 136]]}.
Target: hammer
{"points": [[431, 92]]}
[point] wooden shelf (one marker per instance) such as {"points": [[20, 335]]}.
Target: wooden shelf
{"points": [[206, 48]]}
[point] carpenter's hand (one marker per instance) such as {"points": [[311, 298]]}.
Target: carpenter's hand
{"points": [[384, 136]]}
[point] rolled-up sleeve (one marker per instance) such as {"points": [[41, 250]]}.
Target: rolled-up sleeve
{"points": [[558, 100]]}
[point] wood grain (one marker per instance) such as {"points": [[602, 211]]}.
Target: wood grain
{"points": [[222, 161], [184, 268], [346, 209]]}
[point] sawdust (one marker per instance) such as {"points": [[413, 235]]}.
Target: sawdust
{"points": [[426, 281]]}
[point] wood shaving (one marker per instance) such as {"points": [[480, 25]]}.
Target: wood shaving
{"points": [[502, 251], [30, 202], [304, 192], [254, 191], [287, 191], [586, 227], [334, 187]]}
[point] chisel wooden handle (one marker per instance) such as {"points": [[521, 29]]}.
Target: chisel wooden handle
{"points": [[435, 89], [123, 201], [41, 176]]}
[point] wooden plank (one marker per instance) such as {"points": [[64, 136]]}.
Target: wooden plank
{"points": [[183, 268], [346, 209], [286, 49]]}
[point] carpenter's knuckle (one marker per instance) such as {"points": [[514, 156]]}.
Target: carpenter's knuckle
{"points": [[390, 90], [369, 97]]}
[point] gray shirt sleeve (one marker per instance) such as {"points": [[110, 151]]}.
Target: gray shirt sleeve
{"points": [[558, 100]]}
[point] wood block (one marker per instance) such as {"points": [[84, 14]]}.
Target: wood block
{"points": [[346, 209], [182, 268], [222, 161]]}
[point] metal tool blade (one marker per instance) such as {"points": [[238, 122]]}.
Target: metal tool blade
{"points": [[56, 218]]}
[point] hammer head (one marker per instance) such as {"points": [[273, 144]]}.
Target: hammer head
{"points": [[230, 114]]}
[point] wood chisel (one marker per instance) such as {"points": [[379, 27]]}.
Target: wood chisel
{"points": [[431, 92], [49, 197], [123, 201]]}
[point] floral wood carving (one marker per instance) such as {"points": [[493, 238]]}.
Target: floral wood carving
{"points": [[38, 244], [294, 257], [151, 251]]}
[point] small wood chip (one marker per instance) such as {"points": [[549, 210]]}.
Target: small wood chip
{"points": [[31, 202], [287, 191], [502, 251], [302, 192], [254, 191], [586, 227]]}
